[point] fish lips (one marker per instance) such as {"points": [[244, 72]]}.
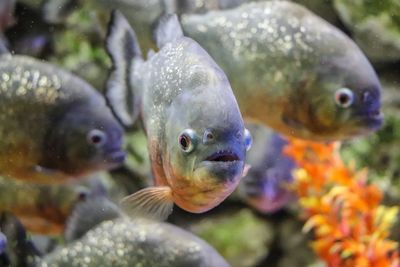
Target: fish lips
{"points": [[373, 119], [223, 166], [115, 157]]}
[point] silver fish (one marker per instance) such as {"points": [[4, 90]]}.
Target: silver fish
{"points": [[196, 137], [266, 185], [53, 125], [114, 240], [291, 70]]}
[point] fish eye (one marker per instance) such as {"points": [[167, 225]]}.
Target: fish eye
{"points": [[187, 140], [96, 137], [208, 136], [248, 140], [344, 97]]}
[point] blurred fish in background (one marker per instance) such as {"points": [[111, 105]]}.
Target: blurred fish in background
{"points": [[44, 209], [266, 185], [54, 126], [291, 70]]}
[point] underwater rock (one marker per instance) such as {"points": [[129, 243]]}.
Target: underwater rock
{"points": [[375, 26], [291, 70], [242, 238]]}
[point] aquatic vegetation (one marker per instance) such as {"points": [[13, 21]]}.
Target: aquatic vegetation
{"points": [[240, 227], [350, 226], [373, 22]]}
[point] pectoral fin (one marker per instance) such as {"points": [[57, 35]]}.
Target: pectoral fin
{"points": [[152, 203], [246, 169]]}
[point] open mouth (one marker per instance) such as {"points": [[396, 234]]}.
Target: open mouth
{"points": [[116, 157], [375, 115], [223, 156]]}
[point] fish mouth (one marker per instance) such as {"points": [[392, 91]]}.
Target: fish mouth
{"points": [[223, 156], [116, 157], [374, 119]]}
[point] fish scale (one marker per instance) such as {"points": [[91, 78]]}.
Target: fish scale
{"points": [[36, 100], [285, 65]]}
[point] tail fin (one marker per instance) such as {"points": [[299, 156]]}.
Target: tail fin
{"points": [[20, 250], [168, 29], [124, 50], [89, 213]]}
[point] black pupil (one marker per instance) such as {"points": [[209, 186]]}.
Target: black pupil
{"points": [[343, 98], [210, 136], [184, 141], [96, 139]]}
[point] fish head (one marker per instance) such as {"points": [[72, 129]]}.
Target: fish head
{"points": [[344, 97], [268, 190], [86, 139], [266, 185], [206, 146]]}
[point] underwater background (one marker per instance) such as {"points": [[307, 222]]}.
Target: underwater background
{"points": [[73, 37]]}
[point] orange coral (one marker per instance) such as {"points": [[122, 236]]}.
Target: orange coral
{"points": [[350, 226]]}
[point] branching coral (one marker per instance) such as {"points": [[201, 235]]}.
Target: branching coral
{"points": [[351, 228]]}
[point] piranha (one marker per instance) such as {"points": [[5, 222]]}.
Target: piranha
{"points": [[53, 125], [143, 14], [291, 70], [42, 208], [196, 137], [266, 185], [116, 240]]}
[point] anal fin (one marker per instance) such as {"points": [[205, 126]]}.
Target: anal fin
{"points": [[154, 203]]}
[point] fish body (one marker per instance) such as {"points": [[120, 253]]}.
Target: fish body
{"points": [[291, 70], [44, 209], [53, 125], [139, 242], [143, 14], [266, 185], [196, 137]]}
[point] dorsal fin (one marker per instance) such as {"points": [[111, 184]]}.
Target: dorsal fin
{"points": [[87, 214], [3, 48], [124, 50], [168, 29]]}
